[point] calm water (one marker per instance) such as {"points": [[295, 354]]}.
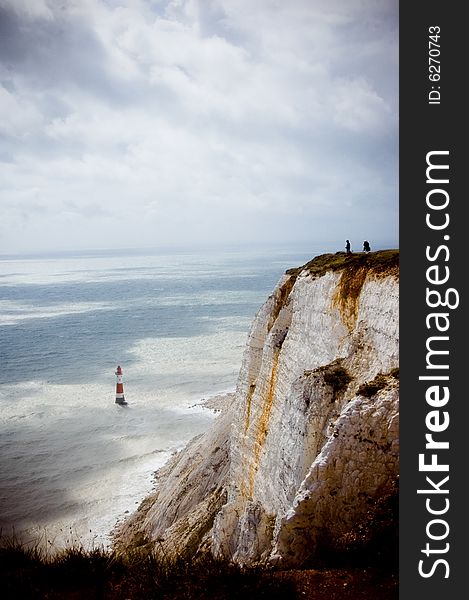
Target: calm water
{"points": [[72, 462]]}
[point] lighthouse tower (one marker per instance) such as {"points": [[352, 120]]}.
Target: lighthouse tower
{"points": [[120, 399]]}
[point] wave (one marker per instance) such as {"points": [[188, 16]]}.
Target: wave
{"points": [[13, 313]]}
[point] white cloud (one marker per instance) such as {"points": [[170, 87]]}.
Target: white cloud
{"points": [[176, 121], [359, 108], [29, 8], [19, 115]]}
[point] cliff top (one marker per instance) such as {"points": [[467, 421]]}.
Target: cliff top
{"points": [[381, 262]]}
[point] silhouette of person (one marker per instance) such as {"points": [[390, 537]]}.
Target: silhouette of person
{"points": [[347, 246], [366, 246]]}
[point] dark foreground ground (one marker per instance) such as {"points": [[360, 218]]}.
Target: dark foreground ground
{"points": [[360, 565], [77, 574], [343, 584]]}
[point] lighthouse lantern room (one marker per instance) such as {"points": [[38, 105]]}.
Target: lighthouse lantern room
{"points": [[120, 398]]}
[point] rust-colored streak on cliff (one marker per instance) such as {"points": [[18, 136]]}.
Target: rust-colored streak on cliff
{"points": [[247, 413], [262, 426], [346, 297]]}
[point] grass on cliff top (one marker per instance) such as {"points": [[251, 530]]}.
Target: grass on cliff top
{"points": [[381, 261]]}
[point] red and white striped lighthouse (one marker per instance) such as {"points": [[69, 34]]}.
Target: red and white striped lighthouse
{"points": [[120, 398]]}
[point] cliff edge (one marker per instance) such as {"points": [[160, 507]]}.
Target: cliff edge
{"points": [[310, 439]]}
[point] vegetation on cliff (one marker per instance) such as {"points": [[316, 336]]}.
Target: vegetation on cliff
{"points": [[381, 262]]}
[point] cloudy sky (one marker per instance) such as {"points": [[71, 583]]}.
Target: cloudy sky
{"points": [[139, 123]]}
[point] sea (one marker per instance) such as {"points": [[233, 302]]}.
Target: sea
{"points": [[73, 463]]}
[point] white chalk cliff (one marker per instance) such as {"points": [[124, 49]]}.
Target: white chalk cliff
{"points": [[311, 435]]}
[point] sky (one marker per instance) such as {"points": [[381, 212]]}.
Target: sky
{"points": [[148, 123]]}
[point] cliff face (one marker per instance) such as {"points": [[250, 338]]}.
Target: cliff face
{"points": [[311, 436]]}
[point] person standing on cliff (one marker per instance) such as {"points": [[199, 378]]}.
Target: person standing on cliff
{"points": [[366, 246], [347, 246]]}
